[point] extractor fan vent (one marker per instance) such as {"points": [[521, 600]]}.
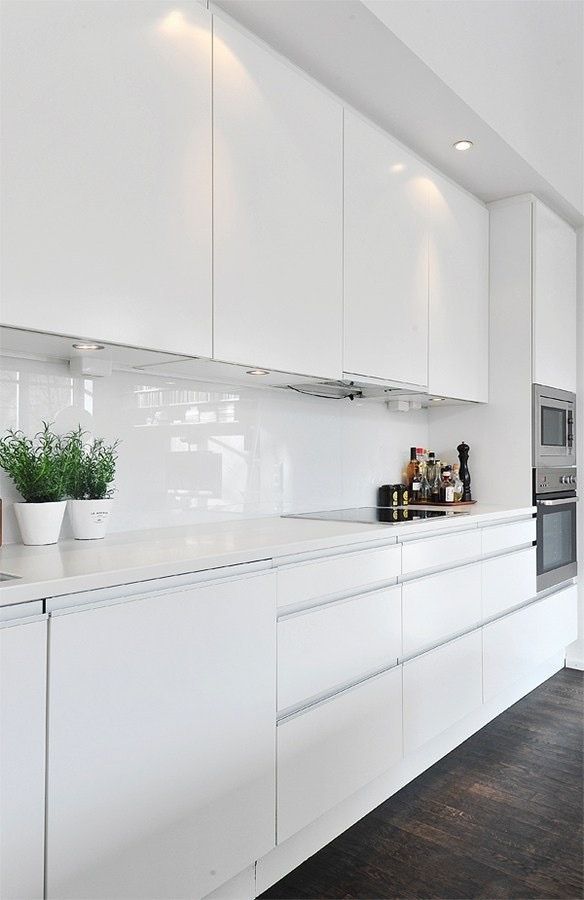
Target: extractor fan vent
{"points": [[350, 390], [328, 390]]}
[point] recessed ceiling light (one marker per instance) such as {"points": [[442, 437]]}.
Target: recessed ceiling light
{"points": [[257, 372], [462, 145], [87, 346]]}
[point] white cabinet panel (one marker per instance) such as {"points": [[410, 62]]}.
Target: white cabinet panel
{"points": [[440, 688], [23, 662], [330, 751], [508, 581], [345, 573], [440, 551], [498, 538], [277, 212], [161, 742], [554, 300], [517, 644], [386, 257], [440, 606], [335, 644], [459, 294], [106, 171]]}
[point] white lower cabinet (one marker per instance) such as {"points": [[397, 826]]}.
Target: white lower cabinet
{"points": [[330, 750], [517, 644], [443, 550], [440, 688], [499, 538], [440, 606], [23, 659], [161, 750], [508, 581], [332, 645], [342, 574]]}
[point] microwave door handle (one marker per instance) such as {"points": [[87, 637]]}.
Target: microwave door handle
{"points": [[557, 502], [570, 430]]}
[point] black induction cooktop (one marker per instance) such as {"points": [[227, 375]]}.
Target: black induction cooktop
{"points": [[390, 515]]}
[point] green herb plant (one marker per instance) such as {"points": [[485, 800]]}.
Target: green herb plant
{"points": [[91, 466], [38, 465]]}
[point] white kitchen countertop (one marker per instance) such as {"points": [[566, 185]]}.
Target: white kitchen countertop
{"points": [[72, 566]]}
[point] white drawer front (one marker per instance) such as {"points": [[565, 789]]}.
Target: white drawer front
{"points": [[330, 646], [508, 581], [441, 551], [343, 574], [330, 751], [517, 644], [498, 538], [440, 606], [440, 688]]}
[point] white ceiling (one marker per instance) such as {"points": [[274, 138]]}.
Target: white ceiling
{"points": [[519, 65], [347, 47]]}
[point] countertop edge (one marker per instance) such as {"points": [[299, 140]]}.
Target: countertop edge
{"points": [[29, 590]]}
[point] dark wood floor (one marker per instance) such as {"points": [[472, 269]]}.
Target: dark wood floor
{"points": [[500, 816]]}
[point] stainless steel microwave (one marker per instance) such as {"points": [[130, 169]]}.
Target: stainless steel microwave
{"points": [[554, 427]]}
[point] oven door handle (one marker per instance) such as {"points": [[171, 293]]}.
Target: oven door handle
{"points": [[557, 502]]}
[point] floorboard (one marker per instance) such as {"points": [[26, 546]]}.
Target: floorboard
{"points": [[500, 816]]}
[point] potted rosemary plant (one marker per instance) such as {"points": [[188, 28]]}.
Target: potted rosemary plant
{"points": [[38, 468], [91, 467]]}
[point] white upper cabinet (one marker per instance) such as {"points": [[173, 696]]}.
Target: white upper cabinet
{"points": [[554, 300], [459, 299], [277, 212], [106, 172], [386, 257]]}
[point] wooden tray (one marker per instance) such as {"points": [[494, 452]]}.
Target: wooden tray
{"points": [[444, 503]]}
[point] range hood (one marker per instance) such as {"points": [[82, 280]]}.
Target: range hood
{"points": [[354, 387]]}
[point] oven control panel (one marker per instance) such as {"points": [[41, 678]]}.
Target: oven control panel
{"points": [[553, 480]]}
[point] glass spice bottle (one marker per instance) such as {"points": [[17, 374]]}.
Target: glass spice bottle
{"points": [[446, 487], [457, 483], [426, 487]]}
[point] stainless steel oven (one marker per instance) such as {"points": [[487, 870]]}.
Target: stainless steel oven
{"points": [[556, 501], [554, 427]]}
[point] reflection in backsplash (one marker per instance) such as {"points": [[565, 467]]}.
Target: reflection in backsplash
{"points": [[194, 452]]}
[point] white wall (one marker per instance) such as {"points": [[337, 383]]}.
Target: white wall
{"points": [[519, 65], [575, 654], [192, 452]]}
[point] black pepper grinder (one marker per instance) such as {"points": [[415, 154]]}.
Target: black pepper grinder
{"points": [[463, 451]]}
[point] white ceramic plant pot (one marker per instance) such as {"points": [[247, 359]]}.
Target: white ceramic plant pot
{"points": [[89, 518], [40, 523]]}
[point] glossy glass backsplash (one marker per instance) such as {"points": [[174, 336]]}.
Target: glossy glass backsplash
{"points": [[194, 452]]}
